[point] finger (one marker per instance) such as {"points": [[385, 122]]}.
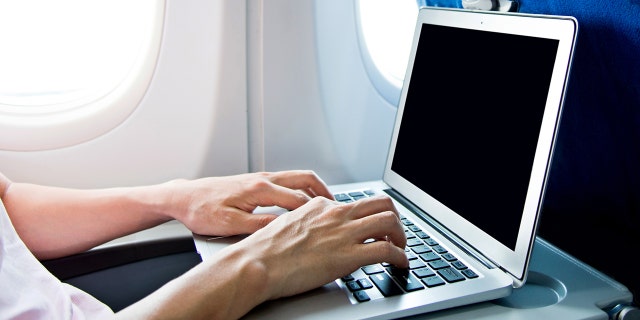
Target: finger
{"points": [[383, 225], [381, 251], [276, 195], [373, 205], [305, 180]]}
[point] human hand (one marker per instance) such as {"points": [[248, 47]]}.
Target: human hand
{"points": [[223, 206], [300, 250], [322, 241]]}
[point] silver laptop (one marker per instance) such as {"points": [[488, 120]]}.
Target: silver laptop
{"points": [[467, 167]]}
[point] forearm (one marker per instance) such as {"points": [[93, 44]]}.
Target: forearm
{"points": [[299, 251], [55, 222], [224, 288]]}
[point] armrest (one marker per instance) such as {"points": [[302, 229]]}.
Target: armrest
{"points": [[108, 257]]}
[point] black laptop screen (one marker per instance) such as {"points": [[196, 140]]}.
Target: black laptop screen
{"points": [[471, 122]]}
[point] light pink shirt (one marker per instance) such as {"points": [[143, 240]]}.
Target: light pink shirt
{"points": [[29, 291]]}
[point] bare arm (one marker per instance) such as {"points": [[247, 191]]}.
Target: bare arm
{"points": [[301, 250], [317, 242], [55, 222]]}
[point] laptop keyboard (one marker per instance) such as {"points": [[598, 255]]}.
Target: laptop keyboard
{"points": [[430, 264]]}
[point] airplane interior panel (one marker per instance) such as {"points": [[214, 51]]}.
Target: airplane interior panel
{"points": [[251, 86], [191, 122]]}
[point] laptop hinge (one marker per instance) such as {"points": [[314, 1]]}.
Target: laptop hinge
{"points": [[464, 246]]}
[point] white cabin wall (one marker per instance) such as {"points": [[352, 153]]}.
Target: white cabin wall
{"points": [[361, 120], [294, 133], [239, 86], [320, 110], [190, 123]]}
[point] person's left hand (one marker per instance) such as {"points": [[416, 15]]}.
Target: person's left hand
{"points": [[223, 206]]}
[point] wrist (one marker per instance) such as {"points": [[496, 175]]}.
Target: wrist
{"points": [[238, 283], [163, 200]]}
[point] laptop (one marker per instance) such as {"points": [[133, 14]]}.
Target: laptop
{"points": [[467, 166]]}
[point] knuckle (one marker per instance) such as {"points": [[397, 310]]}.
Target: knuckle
{"points": [[385, 250], [262, 222], [388, 217], [381, 199], [387, 200], [303, 197], [258, 185], [318, 201], [329, 207]]}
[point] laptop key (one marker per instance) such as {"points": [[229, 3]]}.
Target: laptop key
{"points": [[365, 283], [433, 281], [469, 273], [406, 222], [386, 286], [451, 275], [439, 249], [353, 286], [423, 272], [422, 235], [347, 278], [395, 271], [438, 264], [429, 256], [431, 242], [408, 282], [412, 242], [373, 268], [449, 257], [421, 249], [415, 264], [361, 296]]}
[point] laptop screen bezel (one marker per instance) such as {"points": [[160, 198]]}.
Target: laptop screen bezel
{"points": [[562, 28]]}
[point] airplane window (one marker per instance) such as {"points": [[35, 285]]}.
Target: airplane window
{"points": [[386, 32], [67, 61]]}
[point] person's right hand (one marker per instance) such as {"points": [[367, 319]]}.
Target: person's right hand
{"points": [[300, 250], [324, 240]]}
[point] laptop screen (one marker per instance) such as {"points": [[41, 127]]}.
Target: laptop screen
{"points": [[472, 117]]}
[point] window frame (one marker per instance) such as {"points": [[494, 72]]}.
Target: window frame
{"points": [[66, 124], [386, 85]]}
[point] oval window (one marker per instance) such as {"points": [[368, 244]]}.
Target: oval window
{"points": [[71, 70], [386, 32]]}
